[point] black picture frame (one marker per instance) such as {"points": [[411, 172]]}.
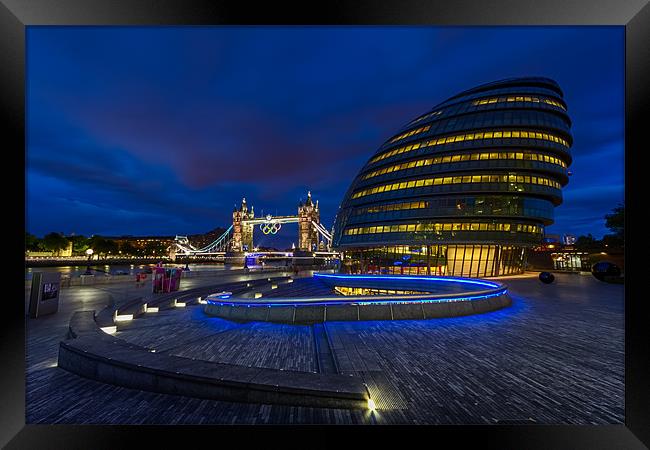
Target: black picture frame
{"points": [[15, 15]]}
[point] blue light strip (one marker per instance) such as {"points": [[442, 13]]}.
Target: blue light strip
{"points": [[367, 302], [418, 278]]}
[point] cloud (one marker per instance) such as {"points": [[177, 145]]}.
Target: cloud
{"points": [[170, 127]]}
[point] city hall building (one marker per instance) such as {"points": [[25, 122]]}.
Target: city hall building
{"points": [[464, 189]]}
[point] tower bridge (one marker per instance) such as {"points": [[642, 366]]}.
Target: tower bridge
{"points": [[313, 237]]}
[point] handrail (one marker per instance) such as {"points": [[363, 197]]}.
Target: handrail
{"points": [[208, 247]]}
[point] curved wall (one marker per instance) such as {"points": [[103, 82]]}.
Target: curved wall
{"points": [[463, 189]]}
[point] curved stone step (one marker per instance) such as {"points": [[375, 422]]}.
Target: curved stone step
{"points": [[94, 354]]}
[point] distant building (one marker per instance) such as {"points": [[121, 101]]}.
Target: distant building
{"points": [[556, 253], [569, 239], [67, 252], [140, 242], [201, 240], [64, 253], [552, 239]]}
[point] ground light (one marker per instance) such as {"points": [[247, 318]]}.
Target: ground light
{"points": [[123, 317]]}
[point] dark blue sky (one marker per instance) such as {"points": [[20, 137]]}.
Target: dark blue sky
{"points": [[161, 130]]}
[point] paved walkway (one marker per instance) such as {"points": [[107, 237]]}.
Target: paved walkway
{"points": [[555, 356]]}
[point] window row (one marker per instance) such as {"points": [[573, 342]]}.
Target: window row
{"points": [[502, 178], [419, 119], [344, 290], [486, 101], [510, 91], [435, 208], [469, 137], [464, 104], [392, 207], [438, 227], [411, 133], [525, 156], [478, 203], [480, 118], [535, 119]]}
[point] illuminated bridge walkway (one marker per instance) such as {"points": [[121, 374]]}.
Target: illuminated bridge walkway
{"points": [[556, 356]]}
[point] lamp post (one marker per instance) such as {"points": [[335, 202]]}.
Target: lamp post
{"points": [[89, 252]]}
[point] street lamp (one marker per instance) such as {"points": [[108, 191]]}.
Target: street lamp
{"points": [[89, 252]]}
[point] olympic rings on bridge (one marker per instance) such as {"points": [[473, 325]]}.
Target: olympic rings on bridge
{"points": [[270, 228]]}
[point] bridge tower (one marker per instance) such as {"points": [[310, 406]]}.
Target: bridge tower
{"points": [[307, 234], [242, 233]]}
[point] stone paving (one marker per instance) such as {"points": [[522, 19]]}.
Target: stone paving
{"points": [[556, 356]]}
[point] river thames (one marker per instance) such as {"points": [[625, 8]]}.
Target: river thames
{"points": [[116, 269]]}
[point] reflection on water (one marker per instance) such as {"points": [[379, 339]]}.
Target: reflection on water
{"points": [[116, 270]]}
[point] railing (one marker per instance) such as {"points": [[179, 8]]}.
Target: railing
{"points": [[326, 234], [219, 245], [89, 280]]}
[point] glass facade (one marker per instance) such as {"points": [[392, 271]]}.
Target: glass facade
{"points": [[464, 189], [469, 260]]}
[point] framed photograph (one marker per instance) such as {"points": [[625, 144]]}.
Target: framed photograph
{"points": [[381, 217]]}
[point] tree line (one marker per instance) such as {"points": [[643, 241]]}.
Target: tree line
{"points": [[613, 242], [101, 246]]}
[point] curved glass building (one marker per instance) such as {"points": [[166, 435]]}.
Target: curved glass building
{"points": [[464, 189]]}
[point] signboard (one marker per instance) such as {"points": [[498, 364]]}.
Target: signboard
{"points": [[44, 297]]}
